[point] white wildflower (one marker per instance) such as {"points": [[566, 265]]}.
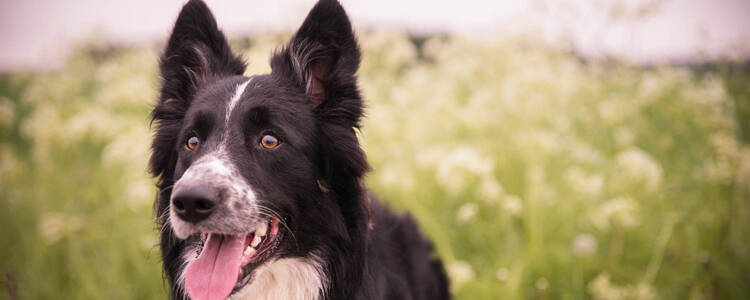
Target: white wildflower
{"points": [[489, 190], [458, 167], [722, 166], [124, 91], [467, 212], [601, 288], [651, 85], [95, 121], [710, 91], [387, 50], [619, 211], [585, 153], [542, 140], [724, 144], [637, 165], [513, 205], [502, 274], [388, 176], [584, 245], [43, 127], [579, 181], [54, 226], [129, 149], [539, 187], [460, 272]]}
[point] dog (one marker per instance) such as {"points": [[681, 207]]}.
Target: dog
{"points": [[260, 178]]}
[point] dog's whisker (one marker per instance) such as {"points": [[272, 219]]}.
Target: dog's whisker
{"points": [[273, 213], [166, 188], [164, 217]]}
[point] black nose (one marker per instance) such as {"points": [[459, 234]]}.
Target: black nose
{"points": [[194, 203]]}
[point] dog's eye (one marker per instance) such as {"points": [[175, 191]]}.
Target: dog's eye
{"points": [[192, 143], [269, 141]]}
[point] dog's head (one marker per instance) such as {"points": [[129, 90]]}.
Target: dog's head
{"points": [[255, 168]]}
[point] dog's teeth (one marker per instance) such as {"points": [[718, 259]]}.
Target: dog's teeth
{"points": [[249, 251], [261, 231], [256, 241]]}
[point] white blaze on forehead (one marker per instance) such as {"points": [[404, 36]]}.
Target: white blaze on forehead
{"points": [[236, 98], [230, 107]]}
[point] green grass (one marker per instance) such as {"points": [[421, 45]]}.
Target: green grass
{"points": [[537, 176]]}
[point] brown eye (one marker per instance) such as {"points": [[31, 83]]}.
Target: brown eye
{"points": [[192, 143], [269, 141]]}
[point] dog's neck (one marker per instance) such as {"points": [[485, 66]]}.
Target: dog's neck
{"points": [[287, 278]]}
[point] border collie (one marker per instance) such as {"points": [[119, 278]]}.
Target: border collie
{"points": [[260, 178]]}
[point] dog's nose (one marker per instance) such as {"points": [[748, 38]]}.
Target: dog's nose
{"points": [[194, 203]]}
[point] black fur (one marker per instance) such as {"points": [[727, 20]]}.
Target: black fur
{"points": [[314, 179]]}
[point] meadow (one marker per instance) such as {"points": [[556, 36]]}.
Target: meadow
{"points": [[538, 174]]}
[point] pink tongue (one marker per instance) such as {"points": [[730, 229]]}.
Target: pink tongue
{"points": [[213, 274]]}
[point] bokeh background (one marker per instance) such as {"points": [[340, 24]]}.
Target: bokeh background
{"points": [[550, 149]]}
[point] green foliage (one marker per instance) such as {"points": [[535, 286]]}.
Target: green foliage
{"points": [[537, 175]]}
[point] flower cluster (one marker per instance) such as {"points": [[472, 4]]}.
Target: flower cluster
{"points": [[535, 173]]}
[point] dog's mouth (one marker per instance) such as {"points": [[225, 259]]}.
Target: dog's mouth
{"points": [[226, 262]]}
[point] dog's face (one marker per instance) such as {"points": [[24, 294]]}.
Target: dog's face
{"points": [[244, 159], [247, 164], [244, 151]]}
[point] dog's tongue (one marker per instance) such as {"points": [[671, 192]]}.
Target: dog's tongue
{"points": [[213, 274]]}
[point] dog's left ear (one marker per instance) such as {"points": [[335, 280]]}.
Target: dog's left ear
{"points": [[322, 57]]}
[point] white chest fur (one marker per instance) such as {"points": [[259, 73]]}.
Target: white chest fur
{"points": [[288, 278]]}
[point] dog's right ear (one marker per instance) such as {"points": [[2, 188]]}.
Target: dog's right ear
{"points": [[196, 51]]}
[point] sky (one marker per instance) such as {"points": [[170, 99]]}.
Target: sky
{"points": [[38, 34]]}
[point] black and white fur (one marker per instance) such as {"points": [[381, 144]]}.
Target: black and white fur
{"points": [[336, 241]]}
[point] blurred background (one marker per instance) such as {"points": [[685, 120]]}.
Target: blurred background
{"points": [[551, 149]]}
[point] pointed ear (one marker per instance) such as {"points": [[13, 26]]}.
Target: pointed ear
{"points": [[323, 56], [196, 49], [321, 60]]}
